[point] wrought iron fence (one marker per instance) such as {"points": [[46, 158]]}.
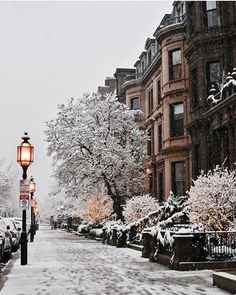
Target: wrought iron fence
{"points": [[219, 245], [206, 246]]}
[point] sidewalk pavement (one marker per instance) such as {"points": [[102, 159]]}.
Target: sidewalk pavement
{"points": [[60, 263]]}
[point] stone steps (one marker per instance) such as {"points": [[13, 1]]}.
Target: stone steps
{"points": [[135, 247]]}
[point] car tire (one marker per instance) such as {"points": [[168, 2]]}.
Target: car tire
{"points": [[7, 255]]}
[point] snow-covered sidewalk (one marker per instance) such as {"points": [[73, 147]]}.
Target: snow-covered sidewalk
{"points": [[62, 263]]}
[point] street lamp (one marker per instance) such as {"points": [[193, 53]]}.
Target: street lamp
{"points": [[25, 156], [32, 188]]}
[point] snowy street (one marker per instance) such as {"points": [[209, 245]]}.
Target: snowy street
{"points": [[62, 263]]}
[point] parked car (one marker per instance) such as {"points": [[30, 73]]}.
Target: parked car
{"points": [[18, 222], [85, 227], [5, 241], [15, 232]]}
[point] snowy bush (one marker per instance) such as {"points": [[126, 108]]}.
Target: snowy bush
{"points": [[139, 206], [212, 199]]}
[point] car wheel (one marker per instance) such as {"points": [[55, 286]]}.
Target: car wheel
{"points": [[7, 255]]}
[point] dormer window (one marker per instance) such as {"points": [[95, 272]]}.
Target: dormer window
{"points": [[143, 66], [149, 56]]}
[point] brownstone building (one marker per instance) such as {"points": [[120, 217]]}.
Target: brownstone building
{"points": [[191, 50], [158, 85], [211, 54]]}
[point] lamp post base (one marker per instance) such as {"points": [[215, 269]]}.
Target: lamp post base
{"points": [[24, 240]]}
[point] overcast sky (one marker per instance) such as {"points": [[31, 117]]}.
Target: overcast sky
{"points": [[51, 51]]}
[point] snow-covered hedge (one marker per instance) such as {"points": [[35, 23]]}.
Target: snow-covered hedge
{"points": [[170, 213]]}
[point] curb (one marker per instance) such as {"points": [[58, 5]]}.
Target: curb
{"points": [[6, 270]]}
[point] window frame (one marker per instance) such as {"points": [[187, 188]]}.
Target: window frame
{"points": [[212, 20], [158, 91], [173, 131], [208, 75], [149, 142], [150, 100], [172, 72], [174, 184], [160, 140], [132, 105]]}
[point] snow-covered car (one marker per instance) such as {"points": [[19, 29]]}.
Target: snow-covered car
{"points": [[85, 227], [15, 232], [5, 241], [96, 232], [18, 222]]}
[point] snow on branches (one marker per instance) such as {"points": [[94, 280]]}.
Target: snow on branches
{"points": [[97, 207], [96, 141], [212, 199], [139, 206], [8, 190]]}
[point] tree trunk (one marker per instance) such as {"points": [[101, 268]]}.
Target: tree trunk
{"points": [[118, 201], [118, 204]]}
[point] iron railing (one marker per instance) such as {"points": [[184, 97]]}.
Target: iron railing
{"points": [[206, 246], [172, 21]]}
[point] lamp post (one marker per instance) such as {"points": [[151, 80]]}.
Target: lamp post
{"points": [[25, 156], [32, 188]]}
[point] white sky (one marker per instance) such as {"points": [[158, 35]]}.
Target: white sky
{"points": [[51, 51]]}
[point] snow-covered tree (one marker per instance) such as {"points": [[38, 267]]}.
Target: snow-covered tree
{"points": [[96, 141], [98, 207], [212, 199], [9, 197], [139, 206]]}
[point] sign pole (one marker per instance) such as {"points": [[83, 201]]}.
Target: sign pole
{"points": [[24, 199]]}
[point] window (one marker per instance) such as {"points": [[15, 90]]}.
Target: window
{"points": [[134, 103], [213, 74], [158, 92], [178, 178], [143, 66], [149, 56], [149, 142], [196, 160], [159, 138], [150, 101], [177, 119], [211, 11], [175, 64], [194, 88], [161, 187]]}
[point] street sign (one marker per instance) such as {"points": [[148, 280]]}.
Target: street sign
{"points": [[24, 194]]}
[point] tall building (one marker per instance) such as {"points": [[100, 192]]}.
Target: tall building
{"points": [[187, 59], [211, 54], [158, 85]]}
